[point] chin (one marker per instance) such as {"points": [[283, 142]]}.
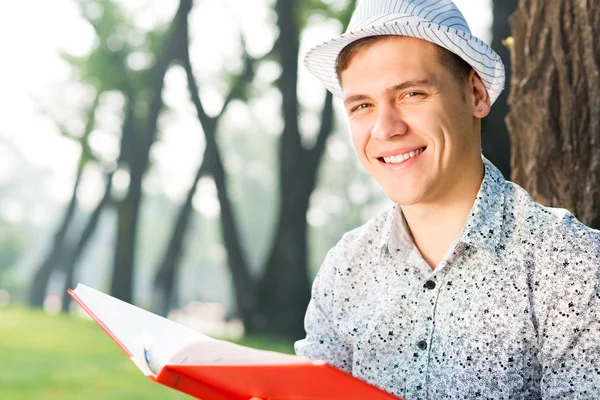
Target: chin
{"points": [[405, 192], [404, 199]]}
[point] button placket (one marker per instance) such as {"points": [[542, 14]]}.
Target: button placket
{"points": [[428, 292]]}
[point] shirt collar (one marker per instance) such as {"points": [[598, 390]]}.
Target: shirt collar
{"points": [[394, 232], [482, 228], [484, 223]]}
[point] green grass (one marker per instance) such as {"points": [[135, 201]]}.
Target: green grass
{"points": [[65, 358]]}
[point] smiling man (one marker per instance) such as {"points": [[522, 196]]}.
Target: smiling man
{"points": [[465, 288]]}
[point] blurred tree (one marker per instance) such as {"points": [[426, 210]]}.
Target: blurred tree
{"points": [[77, 248], [136, 151], [554, 100], [495, 139], [284, 289], [165, 279], [106, 69], [12, 239], [275, 303], [58, 250]]}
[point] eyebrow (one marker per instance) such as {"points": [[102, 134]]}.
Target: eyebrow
{"points": [[396, 88], [408, 84]]}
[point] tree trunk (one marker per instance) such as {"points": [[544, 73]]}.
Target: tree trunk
{"points": [[128, 209], [245, 287], [495, 139], [277, 303], [284, 290], [59, 251], [86, 234], [166, 276], [554, 121], [39, 286], [164, 297]]}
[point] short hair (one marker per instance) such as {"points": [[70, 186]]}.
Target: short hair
{"points": [[459, 68]]}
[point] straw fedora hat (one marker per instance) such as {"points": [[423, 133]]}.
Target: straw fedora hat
{"points": [[437, 21]]}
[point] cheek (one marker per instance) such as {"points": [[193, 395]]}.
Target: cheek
{"points": [[460, 135], [360, 137]]}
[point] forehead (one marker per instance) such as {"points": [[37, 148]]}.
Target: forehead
{"points": [[391, 45], [390, 57]]}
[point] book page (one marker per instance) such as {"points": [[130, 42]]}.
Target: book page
{"points": [[220, 352], [152, 340]]}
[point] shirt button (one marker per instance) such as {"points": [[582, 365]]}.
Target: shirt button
{"points": [[429, 285], [422, 345]]}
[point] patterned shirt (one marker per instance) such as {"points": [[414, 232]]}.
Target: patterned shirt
{"points": [[511, 312]]}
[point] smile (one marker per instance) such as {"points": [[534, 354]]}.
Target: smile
{"points": [[400, 158]]}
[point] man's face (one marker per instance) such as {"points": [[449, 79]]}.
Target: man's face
{"points": [[412, 124]]}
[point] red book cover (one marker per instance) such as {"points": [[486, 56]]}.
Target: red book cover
{"points": [[210, 369]]}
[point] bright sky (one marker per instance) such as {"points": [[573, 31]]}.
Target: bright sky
{"points": [[34, 79]]}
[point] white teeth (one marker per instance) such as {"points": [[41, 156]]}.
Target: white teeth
{"points": [[401, 157]]}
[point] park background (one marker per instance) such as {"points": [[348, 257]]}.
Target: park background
{"points": [[178, 156]]}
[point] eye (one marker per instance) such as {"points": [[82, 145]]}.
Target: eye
{"points": [[359, 107], [414, 94]]}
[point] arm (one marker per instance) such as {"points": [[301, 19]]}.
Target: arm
{"points": [[322, 340], [569, 326], [572, 369]]}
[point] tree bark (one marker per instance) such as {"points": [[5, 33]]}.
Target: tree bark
{"points": [[129, 208], [495, 138], [554, 121]]}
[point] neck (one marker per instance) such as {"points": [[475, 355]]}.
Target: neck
{"points": [[435, 225]]}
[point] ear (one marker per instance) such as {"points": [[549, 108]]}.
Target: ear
{"points": [[480, 99]]}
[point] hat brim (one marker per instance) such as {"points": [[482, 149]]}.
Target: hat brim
{"points": [[321, 59]]}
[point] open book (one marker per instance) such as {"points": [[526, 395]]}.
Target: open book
{"points": [[211, 369]]}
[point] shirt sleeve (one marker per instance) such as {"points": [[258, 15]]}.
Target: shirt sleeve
{"points": [[322, 341], [569, 325]]}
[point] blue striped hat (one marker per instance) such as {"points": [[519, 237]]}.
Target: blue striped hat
{"points": [[437, 21]]}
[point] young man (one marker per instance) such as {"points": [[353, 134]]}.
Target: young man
{"points": [[466, 288]]}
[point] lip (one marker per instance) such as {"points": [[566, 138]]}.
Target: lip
{"points": [[405, 164], [397, 152]]}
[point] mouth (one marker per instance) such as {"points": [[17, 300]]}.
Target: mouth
{"points": [[400, 158]]}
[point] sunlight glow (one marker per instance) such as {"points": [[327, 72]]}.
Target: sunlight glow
{"points": [[121, 180], [91, 188], [12, 211], [316, 217], [205, 199], [337, 148], [8, 163]]}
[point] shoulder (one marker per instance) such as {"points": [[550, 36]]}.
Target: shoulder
{"points": [[528, 214], [358, 246], [558, 240], [367, 237]]}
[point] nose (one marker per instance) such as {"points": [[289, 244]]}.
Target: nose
{"points": [[389, 123]]}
